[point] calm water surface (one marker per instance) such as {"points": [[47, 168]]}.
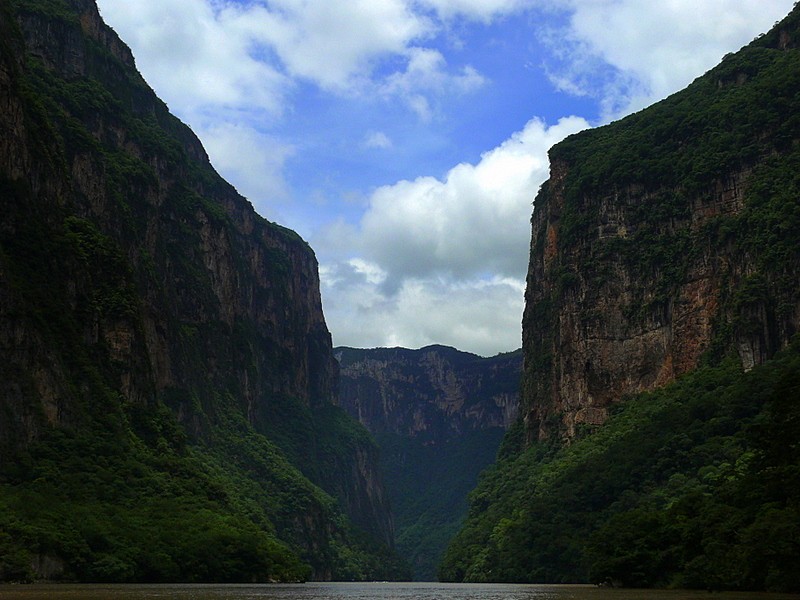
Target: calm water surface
{"points": [[357, 591]]}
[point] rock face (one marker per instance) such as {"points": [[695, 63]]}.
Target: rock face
{"points": [[129, 268], [438, 415], [212, 261], [431, 394], [666, 239]]}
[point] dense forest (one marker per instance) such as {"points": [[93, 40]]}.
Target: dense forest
{"points": [[694, 485], [130, 497], [428, 486]]}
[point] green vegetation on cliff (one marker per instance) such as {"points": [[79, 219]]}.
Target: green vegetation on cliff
{"points": [[428, 486], [743, 116], [166, 375], [667, 238], [693, 485], [126, 497]]}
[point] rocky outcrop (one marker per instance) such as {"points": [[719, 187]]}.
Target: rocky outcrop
{"points": [[666, 239], [130, 269], [431, 394]]}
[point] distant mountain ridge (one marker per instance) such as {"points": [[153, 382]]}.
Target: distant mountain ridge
{"points": [[438, 415], [431, 393]]}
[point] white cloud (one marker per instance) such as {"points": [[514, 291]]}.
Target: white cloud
{"points": [[193, 59], [474, 221], [427, 72], [482, 10], [371, 273], [442, 260], [479, 316], [652, 48], [205, 57], [333, 44], [377, 139]]}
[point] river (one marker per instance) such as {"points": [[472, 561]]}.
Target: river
{"points": [[359, 591]]}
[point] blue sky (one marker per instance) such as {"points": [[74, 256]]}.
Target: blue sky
{"points": [[406, 139]]}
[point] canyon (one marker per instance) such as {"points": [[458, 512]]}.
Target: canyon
{"points": [[438, 416]]}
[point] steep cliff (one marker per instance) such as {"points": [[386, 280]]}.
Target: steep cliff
{"points": [[438, 415], [145, 302], [431, 394], [661, 369], [665, 239]]}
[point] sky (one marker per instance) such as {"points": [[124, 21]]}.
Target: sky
{"points": [[405, 140]]}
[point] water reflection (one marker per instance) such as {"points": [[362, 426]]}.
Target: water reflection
{"points": [[357, 591]]}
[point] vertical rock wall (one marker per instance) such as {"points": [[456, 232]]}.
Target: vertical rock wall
{"points": [[129, 265], [431, 394], [666, 239]]}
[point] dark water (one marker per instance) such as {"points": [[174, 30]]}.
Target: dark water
{"points": [[358, 591]]}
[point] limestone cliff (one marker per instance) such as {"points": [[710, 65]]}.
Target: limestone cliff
{"points": [[666, 239], [133, 277], [431, 394], [438, 415]]}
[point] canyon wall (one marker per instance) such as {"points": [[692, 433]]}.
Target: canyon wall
{"points": [[665, 240], [431, 394], [133, 277]]}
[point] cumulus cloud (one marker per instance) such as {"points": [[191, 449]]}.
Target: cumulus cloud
{"points": [[333, 44], [473, 221], [443, 259], [481, 316], [427, 72], [630, 54], [201, 53]]}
